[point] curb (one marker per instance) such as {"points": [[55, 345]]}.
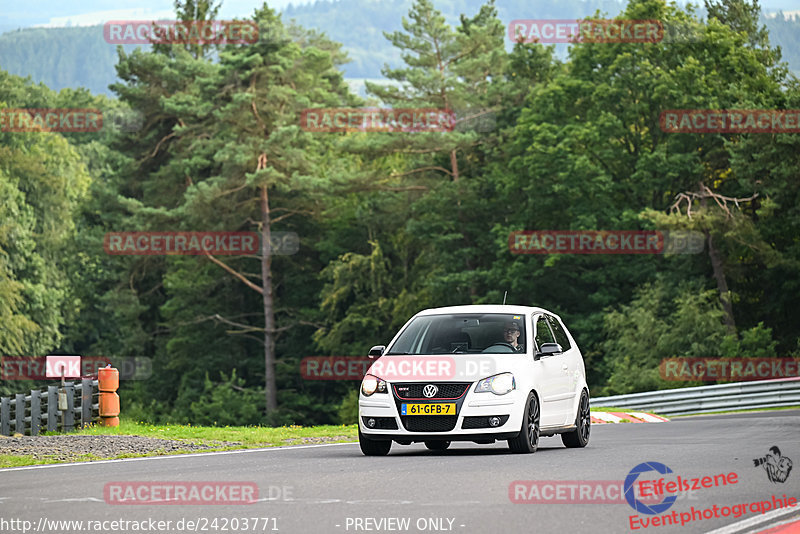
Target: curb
{"points": [[785, 528], [601, 418]]}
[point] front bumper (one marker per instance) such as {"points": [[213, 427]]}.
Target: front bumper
{"points": [[472, 409], [442, 436]]}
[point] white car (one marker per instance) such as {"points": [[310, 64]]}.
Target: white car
{"points": [[475, 373]]}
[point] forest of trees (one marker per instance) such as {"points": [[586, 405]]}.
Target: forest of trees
{"points": [[80, 57], [393, 223]]}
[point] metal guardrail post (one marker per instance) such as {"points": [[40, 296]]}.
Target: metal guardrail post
{"points": [[5, 416], [52, 408], [19, 413], [69, 415], [86, 402], [36, 411]]}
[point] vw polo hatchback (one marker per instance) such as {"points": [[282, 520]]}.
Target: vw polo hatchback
{"points": [[475, 373]]}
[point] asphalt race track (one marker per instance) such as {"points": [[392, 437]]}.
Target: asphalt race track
{"points": [[334, 489]]}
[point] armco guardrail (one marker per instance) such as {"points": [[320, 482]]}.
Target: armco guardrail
{"points": [[30, 414], [704, 399]]}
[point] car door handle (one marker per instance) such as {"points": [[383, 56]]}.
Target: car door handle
{"points": [[565, 367]]}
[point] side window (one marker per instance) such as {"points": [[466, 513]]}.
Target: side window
{"points": [[558, 330], [543, 334]]}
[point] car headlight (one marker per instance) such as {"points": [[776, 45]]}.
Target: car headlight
{"points": [[372, 384], [497, 384]]}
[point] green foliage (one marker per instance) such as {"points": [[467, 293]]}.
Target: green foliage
{"points": [[43, 183], [348, 409], [80, 57], [661, 322], [755, 342], [225, 403]]}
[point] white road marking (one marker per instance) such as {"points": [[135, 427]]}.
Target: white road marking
{"points": [[378, 501], [752, 521], [323, 500], [171, 456], [76, 499], [784, 523]]}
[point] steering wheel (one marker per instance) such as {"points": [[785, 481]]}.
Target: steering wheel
{"points": [[500, 344]]}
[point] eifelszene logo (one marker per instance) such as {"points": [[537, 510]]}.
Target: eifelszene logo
{"points": [[630, 496], [663, 486], [777, 467]]}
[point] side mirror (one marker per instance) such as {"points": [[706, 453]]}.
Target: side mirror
{"points": [[548, 349], [376, 351]]}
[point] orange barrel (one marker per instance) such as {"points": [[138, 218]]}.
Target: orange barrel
{"points": [[109, 404], [108, 383], [110, 421], [108, 379]]}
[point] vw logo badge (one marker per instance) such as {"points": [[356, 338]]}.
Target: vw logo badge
{"points": [[430, 391]]}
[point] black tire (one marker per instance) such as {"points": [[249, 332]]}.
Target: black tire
{"points": [[528, 439], [437, 445], [371, 447], [583, 422]]}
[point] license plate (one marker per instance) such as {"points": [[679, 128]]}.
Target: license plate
{"points": [[428, 409]]}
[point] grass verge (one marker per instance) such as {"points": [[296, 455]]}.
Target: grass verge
{"points": [[780, 408], [614, 409], [21, 460], [244, 436], [210, 438]]}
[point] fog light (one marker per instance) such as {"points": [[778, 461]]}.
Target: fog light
{"points": [[494, 421], [371, 423]]}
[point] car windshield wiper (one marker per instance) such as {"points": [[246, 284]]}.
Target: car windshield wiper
{"points": [[401, 353]]}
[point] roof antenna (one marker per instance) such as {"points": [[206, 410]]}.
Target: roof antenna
{"points": [[504, 297]]}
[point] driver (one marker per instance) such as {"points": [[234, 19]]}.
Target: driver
{"points": [[511, 335]]}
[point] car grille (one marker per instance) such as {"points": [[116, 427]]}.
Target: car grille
{"points": [[447, 390], [426, 423]]}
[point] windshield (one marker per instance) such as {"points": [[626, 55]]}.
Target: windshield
{"points": [[462, 334]]}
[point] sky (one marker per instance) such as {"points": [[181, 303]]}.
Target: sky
{"points": [[53, 13]]}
